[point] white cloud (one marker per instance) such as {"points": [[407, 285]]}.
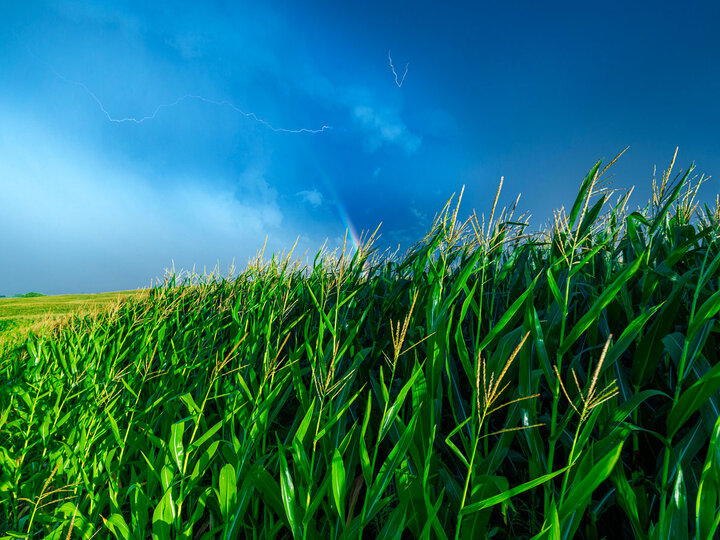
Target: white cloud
{"points": [[77, 222], [385, 126], [312, 197]]}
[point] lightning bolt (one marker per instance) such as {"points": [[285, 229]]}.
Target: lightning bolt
{"points": [[223, 103], [399, 83]]}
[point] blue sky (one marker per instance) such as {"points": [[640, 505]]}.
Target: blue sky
{"points": [[532, 91]]}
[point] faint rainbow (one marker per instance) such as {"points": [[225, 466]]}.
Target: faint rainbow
{"points": [[334, 198], [347, 222], [331, 194]]}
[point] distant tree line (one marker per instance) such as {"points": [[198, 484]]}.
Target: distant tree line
{"points": [[26, 295]]}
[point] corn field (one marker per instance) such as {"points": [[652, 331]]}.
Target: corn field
{"points": [[490, 383]]}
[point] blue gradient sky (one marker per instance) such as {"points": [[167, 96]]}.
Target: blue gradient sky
{"points": [[534, 91]]}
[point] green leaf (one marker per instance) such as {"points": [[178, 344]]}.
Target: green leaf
{"points": [[627, 407], [578, 267], [593, 314], [189, 402], [707, 518], [627, 500], [335, 417], [243, 501], [692, 399], [582, 489], [302, 462], [587, 222], [114, 428], [166, 477], [116, 524], [205, 436], [394, 526], [82, 526], [176, 444], [459, 281], [432, 521], [287, 491], [389, 418], [507, 316], [582, 194], [319, 497], [227, 490], [539, 340], [338, 483], [671, 198], [328, 323], [706, 312], [268, 487], [628, 336], [365, 462], [138, 507], [554, 530], [648, 352], [555, 290], [305, 423], [197, 513], [675, 522], [387, 471], [203, 461], [508, 494], [163, 517]]}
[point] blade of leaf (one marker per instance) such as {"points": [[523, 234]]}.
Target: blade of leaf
{"points": [[338, 483]]}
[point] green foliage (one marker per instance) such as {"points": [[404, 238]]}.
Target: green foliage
{"points": [[25, 313], [490, 383]]}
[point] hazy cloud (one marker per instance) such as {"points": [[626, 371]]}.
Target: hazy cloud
{"points": [[385, 126], [98, 223], [312, 197], [420, 216]]}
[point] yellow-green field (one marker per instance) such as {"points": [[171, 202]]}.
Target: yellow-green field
{"points": [[20, 315]]}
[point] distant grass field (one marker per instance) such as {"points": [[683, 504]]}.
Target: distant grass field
{"points": [[18, 316]]}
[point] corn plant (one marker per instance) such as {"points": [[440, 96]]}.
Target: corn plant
{"points": [[490, 382]]}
